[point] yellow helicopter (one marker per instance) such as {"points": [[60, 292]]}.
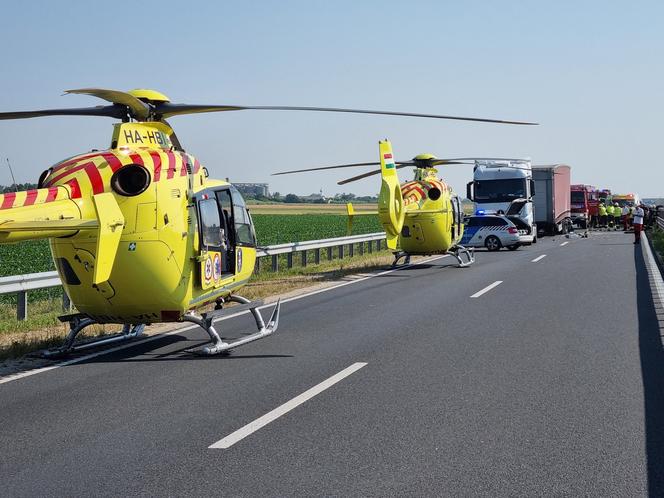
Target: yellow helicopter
{"points": [[420, 217], [139, 234]]}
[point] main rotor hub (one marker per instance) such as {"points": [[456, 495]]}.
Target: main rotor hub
{"points": [[424, 160], [147, 95]]}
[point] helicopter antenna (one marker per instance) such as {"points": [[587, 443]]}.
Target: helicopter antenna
{"points": [[12, 173]]}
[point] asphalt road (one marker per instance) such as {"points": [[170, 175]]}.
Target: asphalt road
{"points": [[549, 383]]}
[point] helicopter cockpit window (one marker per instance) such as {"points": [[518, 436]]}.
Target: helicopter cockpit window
{"points": [[244, 228], [210, 223]]}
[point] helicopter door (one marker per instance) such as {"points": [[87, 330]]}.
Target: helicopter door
{"points": [[457, 218], [215, 245], [225, 203]]}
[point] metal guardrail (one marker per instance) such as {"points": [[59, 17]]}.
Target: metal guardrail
{"points": [[21, 284], [660, 222]]}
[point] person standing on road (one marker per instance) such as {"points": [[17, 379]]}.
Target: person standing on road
{"points": [[638, 223], [625, 217], [617, 212], [602, 215], [609, 216]]}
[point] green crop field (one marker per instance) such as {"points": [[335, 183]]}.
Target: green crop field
{"points": [[281, 228], [35, 256]]}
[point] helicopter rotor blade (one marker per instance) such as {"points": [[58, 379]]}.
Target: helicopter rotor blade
{"points": [[399, 166], [139, 110], [368, 174], [110, 111], [482, 159], [353, 165], [166, 110]]}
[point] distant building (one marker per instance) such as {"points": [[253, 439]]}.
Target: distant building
{"points": [[253, 189], [319, 197]]}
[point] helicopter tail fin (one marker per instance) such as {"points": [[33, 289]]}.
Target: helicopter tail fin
{"points": [[51, 212], [111, 221], [391, 209]]}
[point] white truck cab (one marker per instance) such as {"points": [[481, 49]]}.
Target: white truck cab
{"points": [[506, 187]]}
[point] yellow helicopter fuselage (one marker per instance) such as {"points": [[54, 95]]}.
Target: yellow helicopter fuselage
{"points": [[422, 216], [126, 233], [434, 221]]}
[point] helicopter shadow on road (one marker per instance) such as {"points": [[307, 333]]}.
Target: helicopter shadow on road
{"points": [[652, 372], [164, 348]]}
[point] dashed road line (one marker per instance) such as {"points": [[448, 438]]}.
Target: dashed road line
{"points": [[538, 258], [487, 288], [564, 243], [261, 422]]}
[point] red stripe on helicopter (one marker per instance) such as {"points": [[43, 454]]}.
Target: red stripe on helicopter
{"points": [[30, 197], [52, 194], [73, 160], [170, 172], [183, 168], [113, 161], [156, 159], [409, 187], [8, 200], [75, 188], [136, 159], [90, 169], [197, 165], [387, 156], [416, 188]]}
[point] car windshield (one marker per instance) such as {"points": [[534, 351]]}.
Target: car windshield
{"points": [[500, 190]]}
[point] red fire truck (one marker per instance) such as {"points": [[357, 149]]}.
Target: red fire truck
{"points": [[585, 205]]}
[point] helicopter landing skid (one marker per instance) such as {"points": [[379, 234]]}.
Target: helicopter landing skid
{"points": [[458, 251], [398, 256], [218, 346], [76, 324]]}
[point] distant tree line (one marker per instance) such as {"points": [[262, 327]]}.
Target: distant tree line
{"points": [[293, 198], [18, 186]]}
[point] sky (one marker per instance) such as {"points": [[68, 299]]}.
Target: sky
{"points": [[590, 72]]}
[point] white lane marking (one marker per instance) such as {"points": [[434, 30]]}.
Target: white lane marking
{"points": [[260, 422], [564, 243], [36, 371], [538, 258], [487, 288]]}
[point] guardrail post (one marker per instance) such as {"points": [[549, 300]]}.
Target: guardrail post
{"points": [[275, 262], [341, 251], [370, 246], [257, 266], [378, 245], [289, 260], [66, 302], [21, 305], [361, 248], [329, 253], [317, 256], [304, 259], [351, 250]]}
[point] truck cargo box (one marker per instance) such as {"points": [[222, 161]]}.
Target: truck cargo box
{"points": [[551, 201]]}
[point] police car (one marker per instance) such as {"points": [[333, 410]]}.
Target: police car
{"points": [[492, 231]]}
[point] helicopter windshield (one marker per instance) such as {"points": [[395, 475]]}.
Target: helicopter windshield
{"points": [[244, 228]]}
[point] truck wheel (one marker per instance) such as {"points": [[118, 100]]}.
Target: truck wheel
{"points": [[492, 243]]}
